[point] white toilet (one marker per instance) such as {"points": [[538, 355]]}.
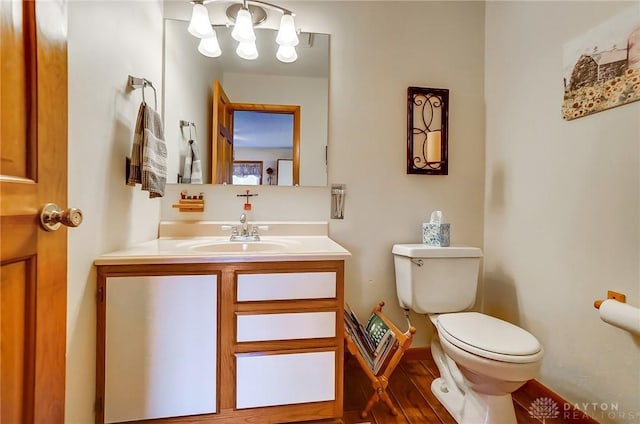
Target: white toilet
{"points": [[481, 359]]}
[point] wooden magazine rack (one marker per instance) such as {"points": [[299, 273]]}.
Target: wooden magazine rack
{"points": [[380, 381]]}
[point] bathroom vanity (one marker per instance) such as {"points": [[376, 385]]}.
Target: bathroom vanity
{"points": [[205, 330]]}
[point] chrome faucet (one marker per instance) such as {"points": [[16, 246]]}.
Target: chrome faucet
{"points": [[245, 226], [243, 234]]}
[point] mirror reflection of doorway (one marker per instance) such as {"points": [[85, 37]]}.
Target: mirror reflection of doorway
{"points": [[254, 133], [262, 136]]}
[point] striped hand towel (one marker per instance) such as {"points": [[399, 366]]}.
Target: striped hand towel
{"points": [[148, 153], [154, 154], [192, 172], [135, 167]]}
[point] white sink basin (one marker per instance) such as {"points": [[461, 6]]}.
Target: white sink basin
{"points": [[238, 246]]}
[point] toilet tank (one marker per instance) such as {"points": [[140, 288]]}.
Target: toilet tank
{"points": [[436, 279]]}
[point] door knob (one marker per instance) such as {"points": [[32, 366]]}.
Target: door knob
{"points": [[51, 217]]}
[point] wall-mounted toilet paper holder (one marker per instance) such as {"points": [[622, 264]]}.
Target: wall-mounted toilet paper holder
{"points": [[614, 310], [611, 295]]}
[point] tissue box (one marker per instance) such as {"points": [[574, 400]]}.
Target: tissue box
{"points": [[435, 234]]}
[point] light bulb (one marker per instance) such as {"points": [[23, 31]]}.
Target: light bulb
{"points": [[209, 46], [243, 28], [287, 35], [200, 24], [287, 54], [247, 50]]}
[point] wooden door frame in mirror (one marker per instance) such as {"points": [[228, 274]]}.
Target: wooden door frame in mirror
{"points": [[221, 168], [424, 107], [284, 109]]}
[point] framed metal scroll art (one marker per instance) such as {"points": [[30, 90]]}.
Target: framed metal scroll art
{"points": [[427, 131]]}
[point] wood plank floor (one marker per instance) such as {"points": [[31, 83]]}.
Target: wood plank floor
{"points": [[410, 390]]}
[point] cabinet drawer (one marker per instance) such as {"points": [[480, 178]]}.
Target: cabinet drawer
{"points": [[286, 286], [289, 326], [283, 379]]}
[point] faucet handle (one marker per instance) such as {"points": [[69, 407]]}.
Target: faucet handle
{"points": [[233, 228], [255, 228]]}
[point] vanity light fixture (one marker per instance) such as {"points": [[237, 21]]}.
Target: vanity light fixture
{"points": [[244, 17], [209, 45], [200, 24]]}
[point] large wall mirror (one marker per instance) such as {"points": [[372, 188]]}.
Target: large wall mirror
{"points": [[262, 139]]}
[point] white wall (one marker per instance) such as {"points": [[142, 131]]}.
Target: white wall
{"points": [[562, 205], [108, 40]]}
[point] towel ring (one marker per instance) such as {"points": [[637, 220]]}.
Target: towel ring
{"points": [[146, 82], [195, 130], [189, 124]]}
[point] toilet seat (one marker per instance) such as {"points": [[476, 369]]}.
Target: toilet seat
{"points": [[489, 337]]}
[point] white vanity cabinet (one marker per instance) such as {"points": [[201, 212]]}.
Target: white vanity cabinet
{"points": [[160, 347], [257, 342]]}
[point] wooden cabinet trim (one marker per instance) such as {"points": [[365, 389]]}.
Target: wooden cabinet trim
{"points": [[286, 306], [290, 346], [237, 267], [228, 348]]}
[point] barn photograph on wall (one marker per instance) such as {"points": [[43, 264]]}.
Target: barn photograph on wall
{"points": [[602, 66]]}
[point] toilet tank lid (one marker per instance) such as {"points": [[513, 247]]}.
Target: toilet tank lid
{"points": [[425, 251]]}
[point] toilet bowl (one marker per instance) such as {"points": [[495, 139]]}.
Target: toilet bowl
{"points": [[494, 357], [481, 359]]}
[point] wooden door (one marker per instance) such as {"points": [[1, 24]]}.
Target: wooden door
{"points": [[33, 171], [222, 143]]}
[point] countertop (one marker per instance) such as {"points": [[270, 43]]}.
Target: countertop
{"points": [[180, 250]]}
